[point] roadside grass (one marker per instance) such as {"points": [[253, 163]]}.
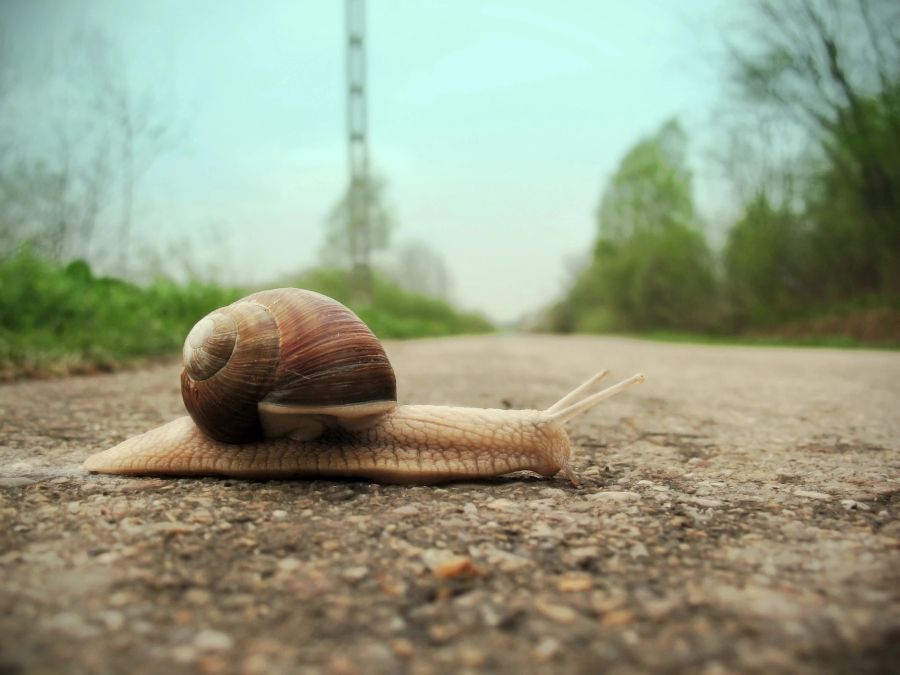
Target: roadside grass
{"points": [[866, 323], [63, 319], [763, 340]]}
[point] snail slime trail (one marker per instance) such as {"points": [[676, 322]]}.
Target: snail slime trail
{"points": [[290, 383]]}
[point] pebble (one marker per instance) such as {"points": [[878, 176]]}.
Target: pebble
{"points": [[407, 510], [213, 640], [574, 584], [289, 564], [812, 495], [502, 504], [112, 619], [553, 493], [852, 504], [457, 566], [639, 551], [505, 561], [546, 648], [707, 502], [558, 613], [354, 574], [614, 496], [279, 514]]}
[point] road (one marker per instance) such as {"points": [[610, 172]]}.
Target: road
{"points": [[738, 511]]}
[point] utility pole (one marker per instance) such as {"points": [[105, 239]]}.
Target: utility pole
{"points": [[358, 192]]}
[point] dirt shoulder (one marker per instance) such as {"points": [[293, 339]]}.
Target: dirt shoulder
{"points": [[737, 512]]}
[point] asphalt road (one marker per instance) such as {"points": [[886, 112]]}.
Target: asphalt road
{"points": [[737, 512]]}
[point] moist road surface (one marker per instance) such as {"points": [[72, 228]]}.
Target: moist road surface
{"points": [[736, 512]]}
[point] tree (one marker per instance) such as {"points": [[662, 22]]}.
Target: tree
{"points": [[831, 70], [418, 268], [81, 147], [652, 267], [651, 189], [766, 262]]}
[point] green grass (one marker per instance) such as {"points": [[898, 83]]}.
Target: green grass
{"points": [[832, 341], [394, 312], [57, 318], [64, 319]]}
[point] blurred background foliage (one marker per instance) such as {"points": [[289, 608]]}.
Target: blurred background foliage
{"points": [[815, 252], [808, 137]]}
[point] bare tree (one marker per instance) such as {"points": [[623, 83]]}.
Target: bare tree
{"points": [[81, 149], [827, 72], [418, 268], [140, 132]]}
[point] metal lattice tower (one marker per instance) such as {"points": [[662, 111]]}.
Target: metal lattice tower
{"points": [[358, 194]]}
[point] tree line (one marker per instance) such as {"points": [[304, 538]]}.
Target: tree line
{"points": [[811, 143]]}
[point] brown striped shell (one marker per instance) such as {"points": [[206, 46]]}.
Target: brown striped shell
{"points": [[284, 362]]}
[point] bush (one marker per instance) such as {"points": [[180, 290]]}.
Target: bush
{"points": [[394, 312], [64, 316]]}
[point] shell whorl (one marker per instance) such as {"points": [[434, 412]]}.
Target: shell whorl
{"points": [[282, 360]]}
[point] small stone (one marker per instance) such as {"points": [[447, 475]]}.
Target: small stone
{"points": [[574, 584], [197, 596], [853, 505], [614, 496], [279, 514], [544, 531], [706, 502], [809, 494], [553, 493], [457, 566], [171, 528], [443, 632], [558, 613], [407, 510], [502, 504], [618, 617], [354, 574], [470, 657], [639, 551], [505, 561], [289, 564], [402, 647], [434, 557], [470, 509], [546, 649], [112, 619], [213, 640], [582, 553], [184, 653]]}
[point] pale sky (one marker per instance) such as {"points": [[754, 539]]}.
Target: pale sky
{"points": [[494, 123]]}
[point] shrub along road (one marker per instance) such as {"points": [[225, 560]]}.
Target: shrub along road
{"points": [[738, 511]]}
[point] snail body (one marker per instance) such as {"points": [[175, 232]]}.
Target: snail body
{"points": [[363, 435]]}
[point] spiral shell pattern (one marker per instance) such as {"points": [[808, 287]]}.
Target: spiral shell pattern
{"points": [[293, 353]]}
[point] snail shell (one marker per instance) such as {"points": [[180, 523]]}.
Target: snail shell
{"points": [[284, 362]]}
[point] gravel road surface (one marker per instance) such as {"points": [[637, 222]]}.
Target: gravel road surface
{"points": [[738, 512]]}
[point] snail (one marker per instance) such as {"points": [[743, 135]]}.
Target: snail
{"points": [[290, 383]]}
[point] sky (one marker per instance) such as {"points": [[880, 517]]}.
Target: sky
{"points": [[495, 124]]}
